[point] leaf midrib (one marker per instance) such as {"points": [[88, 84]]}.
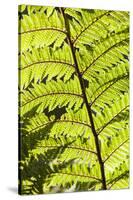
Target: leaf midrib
{"points": [[42, 29], [59, 121], [46, 61], [50, 94]]}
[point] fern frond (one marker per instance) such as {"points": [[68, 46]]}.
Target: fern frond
{"points": [[104, 56], [69, 124], [45, 63], [51, 95], [45, 166], [80, 28], [39, 29], [74, 100], [96, 25], [119, 177], [74, 173], [66, 149], [116, 149], [109, 86], [109, 114]]}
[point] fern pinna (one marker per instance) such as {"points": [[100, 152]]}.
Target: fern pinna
{"points": [[74, 107]]}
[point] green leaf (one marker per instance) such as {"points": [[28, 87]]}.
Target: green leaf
{"points": [[51, 95]]}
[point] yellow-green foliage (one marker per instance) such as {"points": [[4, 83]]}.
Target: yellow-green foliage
{"points": [[74, 102]]}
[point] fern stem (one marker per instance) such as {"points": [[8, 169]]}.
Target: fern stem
{"points": [[81, 175], [42, 29], [51, 94], [88, 106], [59, 121], [68, 147], [46, 61]]}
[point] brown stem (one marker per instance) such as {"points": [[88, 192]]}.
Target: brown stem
{"points": [[42, 29], [88, 106]]}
